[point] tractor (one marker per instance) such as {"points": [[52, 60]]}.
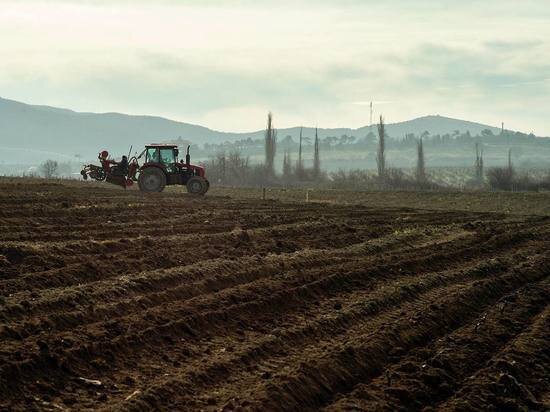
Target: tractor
{"points": [[159, 169]]}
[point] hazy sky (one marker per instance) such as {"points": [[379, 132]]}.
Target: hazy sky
{"points": [[224, 64]]}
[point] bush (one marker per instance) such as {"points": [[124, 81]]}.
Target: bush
{"points": [[545, 183], [49, 168], [394, 179], [500, 178], [504, 178]]}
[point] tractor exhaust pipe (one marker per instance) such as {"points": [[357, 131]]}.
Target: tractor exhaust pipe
{"points": [[187, 156]]}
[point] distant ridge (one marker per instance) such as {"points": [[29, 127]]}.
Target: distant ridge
{"points": [[435, 124], [26, 129]]}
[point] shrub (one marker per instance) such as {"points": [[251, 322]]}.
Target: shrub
{"points": [[504, 178], [49, 168], [500, 178]]}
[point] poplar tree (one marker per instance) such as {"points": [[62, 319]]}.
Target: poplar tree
{"points": [[381, 155], [316, 160], [270, 146]]}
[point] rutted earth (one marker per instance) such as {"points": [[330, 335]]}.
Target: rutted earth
{"points": [[118, 301]]}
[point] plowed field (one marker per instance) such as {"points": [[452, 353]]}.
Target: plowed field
{"points": [[114, 300]]}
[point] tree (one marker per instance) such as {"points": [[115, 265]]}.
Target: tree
{"points": [[316, 160], [49, 168], [233, 169], [343, 139], [420, 164], [238, 167], [300, 164], [500, 178], [479, 164], [371, 137], [287, 166], [287, 142], [503, 178], [270, 146], [381, 155], [332, 140], [222, 163]]}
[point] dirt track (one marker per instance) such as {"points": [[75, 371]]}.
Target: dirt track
{"points": [[179, 303]]}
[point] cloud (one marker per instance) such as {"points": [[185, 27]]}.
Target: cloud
{"points": [[460, 68], [511, 46], [308, 61], [374, 102]]}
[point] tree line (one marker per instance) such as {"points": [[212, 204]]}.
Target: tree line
{"points": [[371, 140], [230, 167]]}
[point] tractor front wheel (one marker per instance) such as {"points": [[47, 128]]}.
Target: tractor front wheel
{"points": [[197, 185], [151, 180]]}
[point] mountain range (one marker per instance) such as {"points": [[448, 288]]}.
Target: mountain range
{"points": [[30, 133]]}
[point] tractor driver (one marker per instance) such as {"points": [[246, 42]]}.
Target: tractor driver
{"points": [[121, 168]]}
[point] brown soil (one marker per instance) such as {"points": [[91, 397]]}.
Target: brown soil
{"points": [[114, 300]]}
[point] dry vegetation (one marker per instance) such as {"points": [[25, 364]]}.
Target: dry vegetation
{"points": [[235, 169], [115, 300]]}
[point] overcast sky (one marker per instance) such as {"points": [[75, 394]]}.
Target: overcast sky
{"points": [[224, 64]]}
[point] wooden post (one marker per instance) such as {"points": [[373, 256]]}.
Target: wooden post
{"points": [[263, 193], [307, 195]]}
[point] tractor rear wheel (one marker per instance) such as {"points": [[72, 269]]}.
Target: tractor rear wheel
{"points": [[197, 185], [151, 180]]}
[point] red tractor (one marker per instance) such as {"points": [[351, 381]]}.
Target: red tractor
{"points": [[160, 168]]}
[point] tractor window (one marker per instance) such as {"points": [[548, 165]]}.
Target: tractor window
{"points": [[168, 158], [152, 155]]}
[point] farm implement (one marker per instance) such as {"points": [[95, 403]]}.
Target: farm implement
{"points": [[161, 168]]}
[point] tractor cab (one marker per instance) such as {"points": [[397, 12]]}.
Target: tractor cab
{"points": [[165, 156]]}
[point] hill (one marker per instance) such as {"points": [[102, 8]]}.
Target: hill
{"points": [[31, 133], [29, 130], [434, 125]]}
